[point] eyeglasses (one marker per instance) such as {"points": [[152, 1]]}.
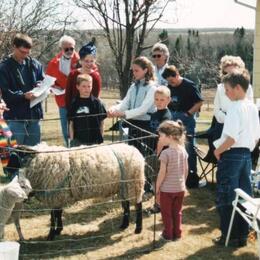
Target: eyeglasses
{"points": [[156, 56], [69, 49]]}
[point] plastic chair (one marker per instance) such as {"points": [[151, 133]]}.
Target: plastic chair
{"points": [[250, 213]]}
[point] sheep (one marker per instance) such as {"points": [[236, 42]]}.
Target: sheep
{"points": [[12, 195], [61, 176]]}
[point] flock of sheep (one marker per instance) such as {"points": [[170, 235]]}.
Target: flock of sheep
{"points": [[61, 176]]}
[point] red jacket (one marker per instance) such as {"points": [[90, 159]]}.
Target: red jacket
{"points": [[61, 79], [71, 90]]}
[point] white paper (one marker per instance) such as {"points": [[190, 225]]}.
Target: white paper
{"points": [[57, 91], [42, 91]]}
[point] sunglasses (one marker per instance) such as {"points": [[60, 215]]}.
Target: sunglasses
{"points": [[69, 49], [156, 56]]}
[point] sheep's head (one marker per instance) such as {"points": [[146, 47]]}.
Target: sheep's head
{"points": [[24, 183], [15, 191]]}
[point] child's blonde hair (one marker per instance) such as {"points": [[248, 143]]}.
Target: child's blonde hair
{"points": [[175, 129], [145, 63], [83, 77], [163, 90]]}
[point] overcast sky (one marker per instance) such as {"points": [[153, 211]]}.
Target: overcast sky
{"points": [[197, 14]]}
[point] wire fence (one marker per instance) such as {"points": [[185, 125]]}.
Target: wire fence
{"points": [[121, 131]]}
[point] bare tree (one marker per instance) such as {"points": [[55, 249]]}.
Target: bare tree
{"points": [[126, 25], [41, 19]]}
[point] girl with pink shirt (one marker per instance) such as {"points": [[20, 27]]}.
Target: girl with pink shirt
{"points": [[170, 185]]}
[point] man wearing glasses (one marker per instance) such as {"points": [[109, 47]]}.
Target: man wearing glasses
{"points": [[60, 67], [19, 74]]}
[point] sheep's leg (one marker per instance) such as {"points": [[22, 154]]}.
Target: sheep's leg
{"points": [[126, 214], [16, 217], [58, 218], [51, 235], [139, 218]]}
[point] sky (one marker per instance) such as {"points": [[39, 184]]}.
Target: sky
{"points": [[197, 14]]}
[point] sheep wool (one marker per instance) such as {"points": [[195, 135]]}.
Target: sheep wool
{"points": [[63, 176]]}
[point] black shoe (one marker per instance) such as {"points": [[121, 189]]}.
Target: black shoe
{"points": [[220, 241], [242, 242], [156, 209]]}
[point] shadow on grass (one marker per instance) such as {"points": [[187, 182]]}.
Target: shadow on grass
{"points": [[199, 208], [70, 245], [215, 252]]}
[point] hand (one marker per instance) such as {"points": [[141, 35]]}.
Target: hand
{"points": [[158, 198], [217, 154], [3, 107], [29, 96]]}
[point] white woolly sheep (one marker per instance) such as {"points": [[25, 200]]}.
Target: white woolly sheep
{"points": [[61, 176], [14, 192]]}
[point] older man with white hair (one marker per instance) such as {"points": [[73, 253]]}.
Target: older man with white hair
{"points": [[60, 67]]}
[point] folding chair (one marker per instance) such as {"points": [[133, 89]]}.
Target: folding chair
{"points": [[207, 161], [250, 213]]}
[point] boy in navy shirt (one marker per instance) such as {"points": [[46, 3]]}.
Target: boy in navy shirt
{"points": [[86, 115]]}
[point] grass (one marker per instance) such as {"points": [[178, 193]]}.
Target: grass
{"points": [[91, 226]]}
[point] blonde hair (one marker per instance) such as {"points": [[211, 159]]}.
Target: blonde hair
{"points": [[229, 60], [83, 77], [145, 63], [163, 90], [175, 129]]}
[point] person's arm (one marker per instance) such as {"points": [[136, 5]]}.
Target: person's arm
{"points": [[218, 112], [223, 147], [121, 107], [145, 106], [53, 71], [96, 88], [160, 179], [195, 108], [69, 90]]}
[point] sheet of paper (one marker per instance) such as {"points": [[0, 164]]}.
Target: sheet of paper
{"points": [[57, 91], [42, 91]]}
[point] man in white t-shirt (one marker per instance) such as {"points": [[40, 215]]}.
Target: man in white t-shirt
{"points": [[240, 134]]}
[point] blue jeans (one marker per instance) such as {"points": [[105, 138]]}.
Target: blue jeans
{"points": [[64, 123], [190, 124], [234, 168], [26, 132]]}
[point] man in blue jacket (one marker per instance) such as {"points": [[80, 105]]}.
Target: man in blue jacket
{"points": [[19, 74]]}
